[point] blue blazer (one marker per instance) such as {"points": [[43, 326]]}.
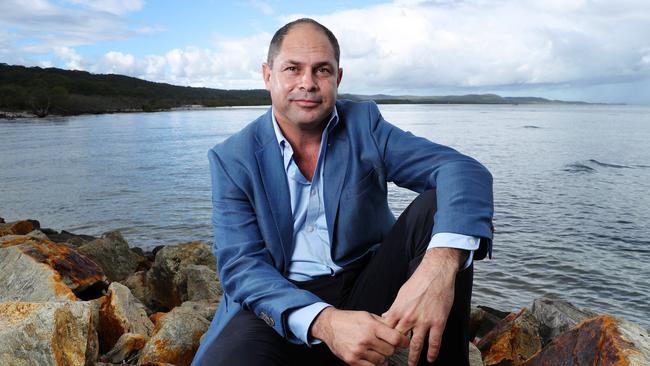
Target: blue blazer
{"points": [[253, 224]]}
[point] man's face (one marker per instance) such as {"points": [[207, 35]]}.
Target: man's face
{"points": [[304, 79]]}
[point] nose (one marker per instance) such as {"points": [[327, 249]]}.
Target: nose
{"points": [[307, 81]]}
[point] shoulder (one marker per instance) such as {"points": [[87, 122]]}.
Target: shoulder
{"points": [[349, 108], [243, 143], [359, 115]]}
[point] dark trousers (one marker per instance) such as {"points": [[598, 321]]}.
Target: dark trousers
{"points": [[372, 286]]}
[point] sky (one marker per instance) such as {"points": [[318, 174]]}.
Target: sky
{"points": [[590, 50]]}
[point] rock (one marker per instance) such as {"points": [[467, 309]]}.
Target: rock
{"points": [[498, 313], [202, 308], [67, 237], [176, 338], [2, 220], [474, 356], [54, 333], [400, 358], [113, 254], [602, 340], [202, 283], [125, 348], [512, 341], [121, 313], [37, 234], [557, 316], [83, 276], [166, 277], [24, 278], [481, 322], [139, 286], [18, 227]]}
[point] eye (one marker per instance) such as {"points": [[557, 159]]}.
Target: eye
{"points": [[291, 69], [323, 70]]}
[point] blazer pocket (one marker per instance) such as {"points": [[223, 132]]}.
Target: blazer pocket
{"points": [[363, 185]]}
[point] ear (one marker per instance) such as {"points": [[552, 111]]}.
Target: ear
{"points": [[266, 74], [339, 77]]}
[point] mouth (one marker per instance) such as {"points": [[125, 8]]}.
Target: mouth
{"points": [[307, 102]]}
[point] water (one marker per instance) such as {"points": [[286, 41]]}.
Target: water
{"points": [[571, 184]]}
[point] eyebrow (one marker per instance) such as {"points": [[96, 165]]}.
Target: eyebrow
{"points": [[317, 64]]}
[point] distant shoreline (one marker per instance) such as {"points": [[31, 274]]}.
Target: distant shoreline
{"points": [[22, 114]]}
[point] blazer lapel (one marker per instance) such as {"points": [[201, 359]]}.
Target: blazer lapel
{"points": [[274, 180], [335, 170]]}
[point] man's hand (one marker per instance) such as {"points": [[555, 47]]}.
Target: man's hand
{"points": [[357, 337], [424, 301]]}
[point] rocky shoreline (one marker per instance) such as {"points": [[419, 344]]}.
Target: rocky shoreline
{"points": [[68, 299]]}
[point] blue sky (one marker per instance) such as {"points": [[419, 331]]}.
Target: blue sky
{"points": [[591, 50]]}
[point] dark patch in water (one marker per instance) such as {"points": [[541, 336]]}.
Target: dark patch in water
{"points": [[578, 168], [607, 165], [531, 126]]}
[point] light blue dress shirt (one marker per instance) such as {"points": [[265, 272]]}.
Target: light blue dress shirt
{"points": [[311, 257]]}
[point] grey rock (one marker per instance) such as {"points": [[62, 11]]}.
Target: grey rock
{"points": [[400, 358], [113, 254], [37, 234], [25, 279], [167, 278], [481, 322], [139, 286], [202, 283], [125, 349], [54, 333], [67, 237], [121, 313], [557, 316], [639, 338], [202, 308], [176, 339]]}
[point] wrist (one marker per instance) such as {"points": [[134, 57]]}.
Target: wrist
{"points": [[452, 259], [320, 326]]}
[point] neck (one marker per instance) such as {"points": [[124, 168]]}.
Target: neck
{"points": [[301, 137]]}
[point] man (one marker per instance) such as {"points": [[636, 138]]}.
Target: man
{"points": [[314, 267]]}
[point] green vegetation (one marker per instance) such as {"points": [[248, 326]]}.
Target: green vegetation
{"points": [[64, 92]]}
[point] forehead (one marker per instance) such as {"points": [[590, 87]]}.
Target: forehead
{"points": [[307, 41]]}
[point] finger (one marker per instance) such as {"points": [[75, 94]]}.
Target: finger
{"points": [[389, 319], [392, 336], [374, 357], [415, 347], [435, 340], [403, 326]]}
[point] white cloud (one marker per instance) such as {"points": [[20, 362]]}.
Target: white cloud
{"points": [[407, 46], [72, 59], [420, 46], [232, 64], [45, 26]]}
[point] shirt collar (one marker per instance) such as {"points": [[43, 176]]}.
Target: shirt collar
{"points": [[331, 122]]}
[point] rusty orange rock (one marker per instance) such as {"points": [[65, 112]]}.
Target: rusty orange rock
{"points": [[602, 340], [16, 228], [176, 337], [120, 313], [512, 341], [76, 270]]}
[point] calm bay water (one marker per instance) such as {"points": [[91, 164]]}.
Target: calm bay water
{"points": [[572, 208]]}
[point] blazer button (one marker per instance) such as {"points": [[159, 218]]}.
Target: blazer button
{"points": [[267, 319]]}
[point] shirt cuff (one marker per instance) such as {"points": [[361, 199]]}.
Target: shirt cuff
{"points": [[300, 320], [458, 241]]}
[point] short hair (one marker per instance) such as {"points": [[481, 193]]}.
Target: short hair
{"points": [[278, 38]]}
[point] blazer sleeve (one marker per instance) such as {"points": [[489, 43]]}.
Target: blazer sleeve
{"points": [[245, 265], [463, 185]]}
